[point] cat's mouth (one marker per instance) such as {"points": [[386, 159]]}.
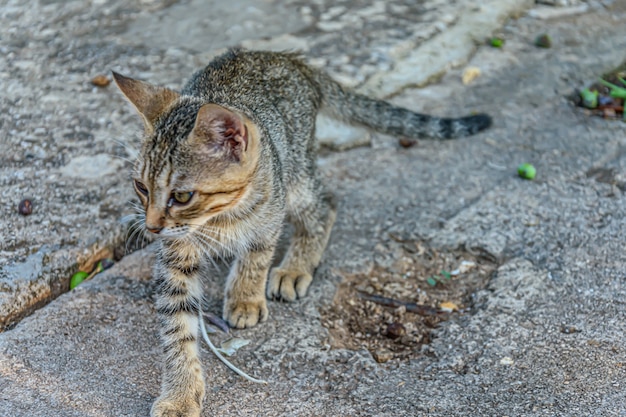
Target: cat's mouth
{"points": [[172, 233]]}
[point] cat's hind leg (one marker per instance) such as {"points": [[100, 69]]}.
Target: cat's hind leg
{"points": [[312, 211]]}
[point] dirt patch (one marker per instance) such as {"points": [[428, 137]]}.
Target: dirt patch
{"points": [[392, 310]]}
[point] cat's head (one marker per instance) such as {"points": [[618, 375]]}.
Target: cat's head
{"points": [[196, 162]]}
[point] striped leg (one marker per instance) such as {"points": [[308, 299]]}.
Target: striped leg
{"points": [[244, 303], [179, 297], [313, 218]]}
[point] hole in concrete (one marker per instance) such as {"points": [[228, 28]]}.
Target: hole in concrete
{"points": [[394, 333]]}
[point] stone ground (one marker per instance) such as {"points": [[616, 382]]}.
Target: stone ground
{"points": [[545, 337]]}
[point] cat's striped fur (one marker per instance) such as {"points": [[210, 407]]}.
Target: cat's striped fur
{"points": [[223, 165]]}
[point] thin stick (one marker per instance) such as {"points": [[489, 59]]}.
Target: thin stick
{"points": [[238, 371], [392, 302]]}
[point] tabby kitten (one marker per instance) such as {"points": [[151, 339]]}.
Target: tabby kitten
{"points": [[223, 164]]}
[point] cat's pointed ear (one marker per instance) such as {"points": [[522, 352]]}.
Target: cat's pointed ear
{"points": [[221, 130], [149, 100]]}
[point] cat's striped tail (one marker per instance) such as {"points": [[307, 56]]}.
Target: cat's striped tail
{"points": [[354, 108]]}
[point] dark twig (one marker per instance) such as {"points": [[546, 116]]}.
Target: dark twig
{"points": [[411, 307], [216, 321]]}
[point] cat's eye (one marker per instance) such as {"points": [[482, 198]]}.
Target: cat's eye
{"points": [[141, 187], [182, 197]]}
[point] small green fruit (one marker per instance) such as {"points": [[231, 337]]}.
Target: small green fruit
{"points": [[496, 42], [543, 41], [526, 171], [589, 98], [77, 278]]}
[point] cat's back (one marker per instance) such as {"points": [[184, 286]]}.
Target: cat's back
{"points": [[258, 75]]}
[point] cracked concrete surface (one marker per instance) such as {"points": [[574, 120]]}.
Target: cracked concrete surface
{"points": [[558, 239], [68, 145]]}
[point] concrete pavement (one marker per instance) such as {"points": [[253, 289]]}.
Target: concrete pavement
{"points": [[545, 337]]}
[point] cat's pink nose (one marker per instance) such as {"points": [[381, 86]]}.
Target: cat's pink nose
{"points": [[155, 230]]}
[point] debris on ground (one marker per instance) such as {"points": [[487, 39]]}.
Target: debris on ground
{"points": [[100, 81], [81, 276], [606, 96], [470, 74], [392, 310], [406, 142], [231, 346], [543, 41], [78, 278], [496, 42], [526, 171], [25, 207], [216, 321]]}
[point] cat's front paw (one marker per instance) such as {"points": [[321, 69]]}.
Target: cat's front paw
{"points": [[164, 407], [246, 313], [288, 285]]}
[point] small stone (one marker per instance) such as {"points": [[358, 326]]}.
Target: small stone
{"points": [[568, 329], [25, 207], [406, 142], [395, 330], [383, 355], [100, 80], [507, 361]]}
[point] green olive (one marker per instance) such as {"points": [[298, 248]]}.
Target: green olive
{"points": [[77, 278], [543, 41], [496, 42], [526, 171]]}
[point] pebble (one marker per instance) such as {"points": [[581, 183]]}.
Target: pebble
{"points": [[395, 330], [406, 142], [382, 355], [25, 207]]}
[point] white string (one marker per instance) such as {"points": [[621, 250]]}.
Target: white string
{"points": [[216, 352]]}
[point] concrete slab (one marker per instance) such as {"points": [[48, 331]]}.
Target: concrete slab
{"points": [[545, 337], [69, 145]]}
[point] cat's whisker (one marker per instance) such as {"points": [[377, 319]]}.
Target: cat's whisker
{"points": [[207, 241], [121, 158], [130, 149], [132, 153], [206, 249], [138, 207], [137, 232], [213, 235]]}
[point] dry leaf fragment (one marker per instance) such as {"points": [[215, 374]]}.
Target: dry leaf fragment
{"points": [[448, 306], [231, 346], [470, 74], [100, 80]]}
